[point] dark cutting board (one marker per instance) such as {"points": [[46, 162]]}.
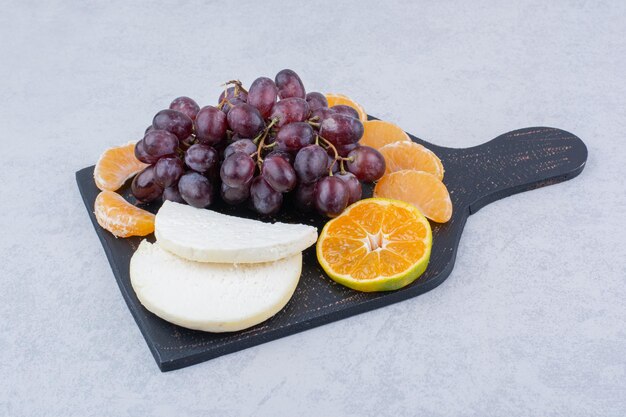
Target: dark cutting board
{"points": [[511, 163]]}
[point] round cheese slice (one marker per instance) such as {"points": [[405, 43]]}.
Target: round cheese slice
{"points": [[208, 236], [213, 297]]}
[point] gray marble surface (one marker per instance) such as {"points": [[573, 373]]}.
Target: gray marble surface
{"points": [[532, 320]]}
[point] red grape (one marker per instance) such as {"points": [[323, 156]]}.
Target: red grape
{"points": [[237, 169], [185, 105], [321, 114], [159, 143], [167, 171], [290, 110], [142, 155], [354, 186], [304, 196], [343, 150], [196, 189], [201, 158], [172, 194], [277, 153], [262, 95], [242, 145], [235, 195], [347, 110], [230, 94], [227, 105], [245, 120], [289, 84], [316, 101], [311, 164], [210, 125], [366, 163], [341, 129], [174, 122], [294, 136], [279, 174], [265, 199], [331, 196], [144, 187]]}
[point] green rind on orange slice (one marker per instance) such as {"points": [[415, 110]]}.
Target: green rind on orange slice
{"points": [[406, 276]]}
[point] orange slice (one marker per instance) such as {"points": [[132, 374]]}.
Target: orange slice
{"points": [[411, 155], [419, 188], [376, 244], [378, 133], [335, 99], [120, 217], [115, 166]]}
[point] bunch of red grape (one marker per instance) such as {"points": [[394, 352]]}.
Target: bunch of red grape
{"points": [[257, 145]]}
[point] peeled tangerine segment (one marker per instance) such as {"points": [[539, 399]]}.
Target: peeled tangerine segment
{"points": [[212, 297], [208, 236], [422, 189], [376, 245], [378, 133], [411, 155], [115, 166], [335, 99], [120, 217]]}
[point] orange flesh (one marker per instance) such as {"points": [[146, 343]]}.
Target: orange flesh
{"points": [[374, 240]]}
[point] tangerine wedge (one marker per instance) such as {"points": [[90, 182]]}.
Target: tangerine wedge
{"points": [[120, 217], [422, 189], [411, 155], [335, 99], [378, 133], [376, 244], [115, 166]]}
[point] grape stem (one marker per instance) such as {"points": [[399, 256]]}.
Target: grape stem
{"points": [[238, 88], [312, 123], [261, 141], [330, 145]]}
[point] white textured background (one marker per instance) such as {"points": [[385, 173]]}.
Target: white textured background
{"points": [[532, 320]]}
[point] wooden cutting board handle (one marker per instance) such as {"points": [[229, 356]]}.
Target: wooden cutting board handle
{"points": [[516, 161]]}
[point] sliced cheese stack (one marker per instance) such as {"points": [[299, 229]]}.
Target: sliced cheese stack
{"points": [[218, 273]]}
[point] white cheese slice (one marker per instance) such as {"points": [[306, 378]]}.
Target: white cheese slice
{"points": [[207, 236], [212, 297]]}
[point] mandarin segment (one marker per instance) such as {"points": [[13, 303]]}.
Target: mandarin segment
{"points": [[391, 263], [343, 253], [408, 250], [120, 217], [115, 166], [419, 188], [346, 227], [368, 215], [411, 155], [378, 133], [368, 267], [335, 99], [412, 231], [395, 218]]}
